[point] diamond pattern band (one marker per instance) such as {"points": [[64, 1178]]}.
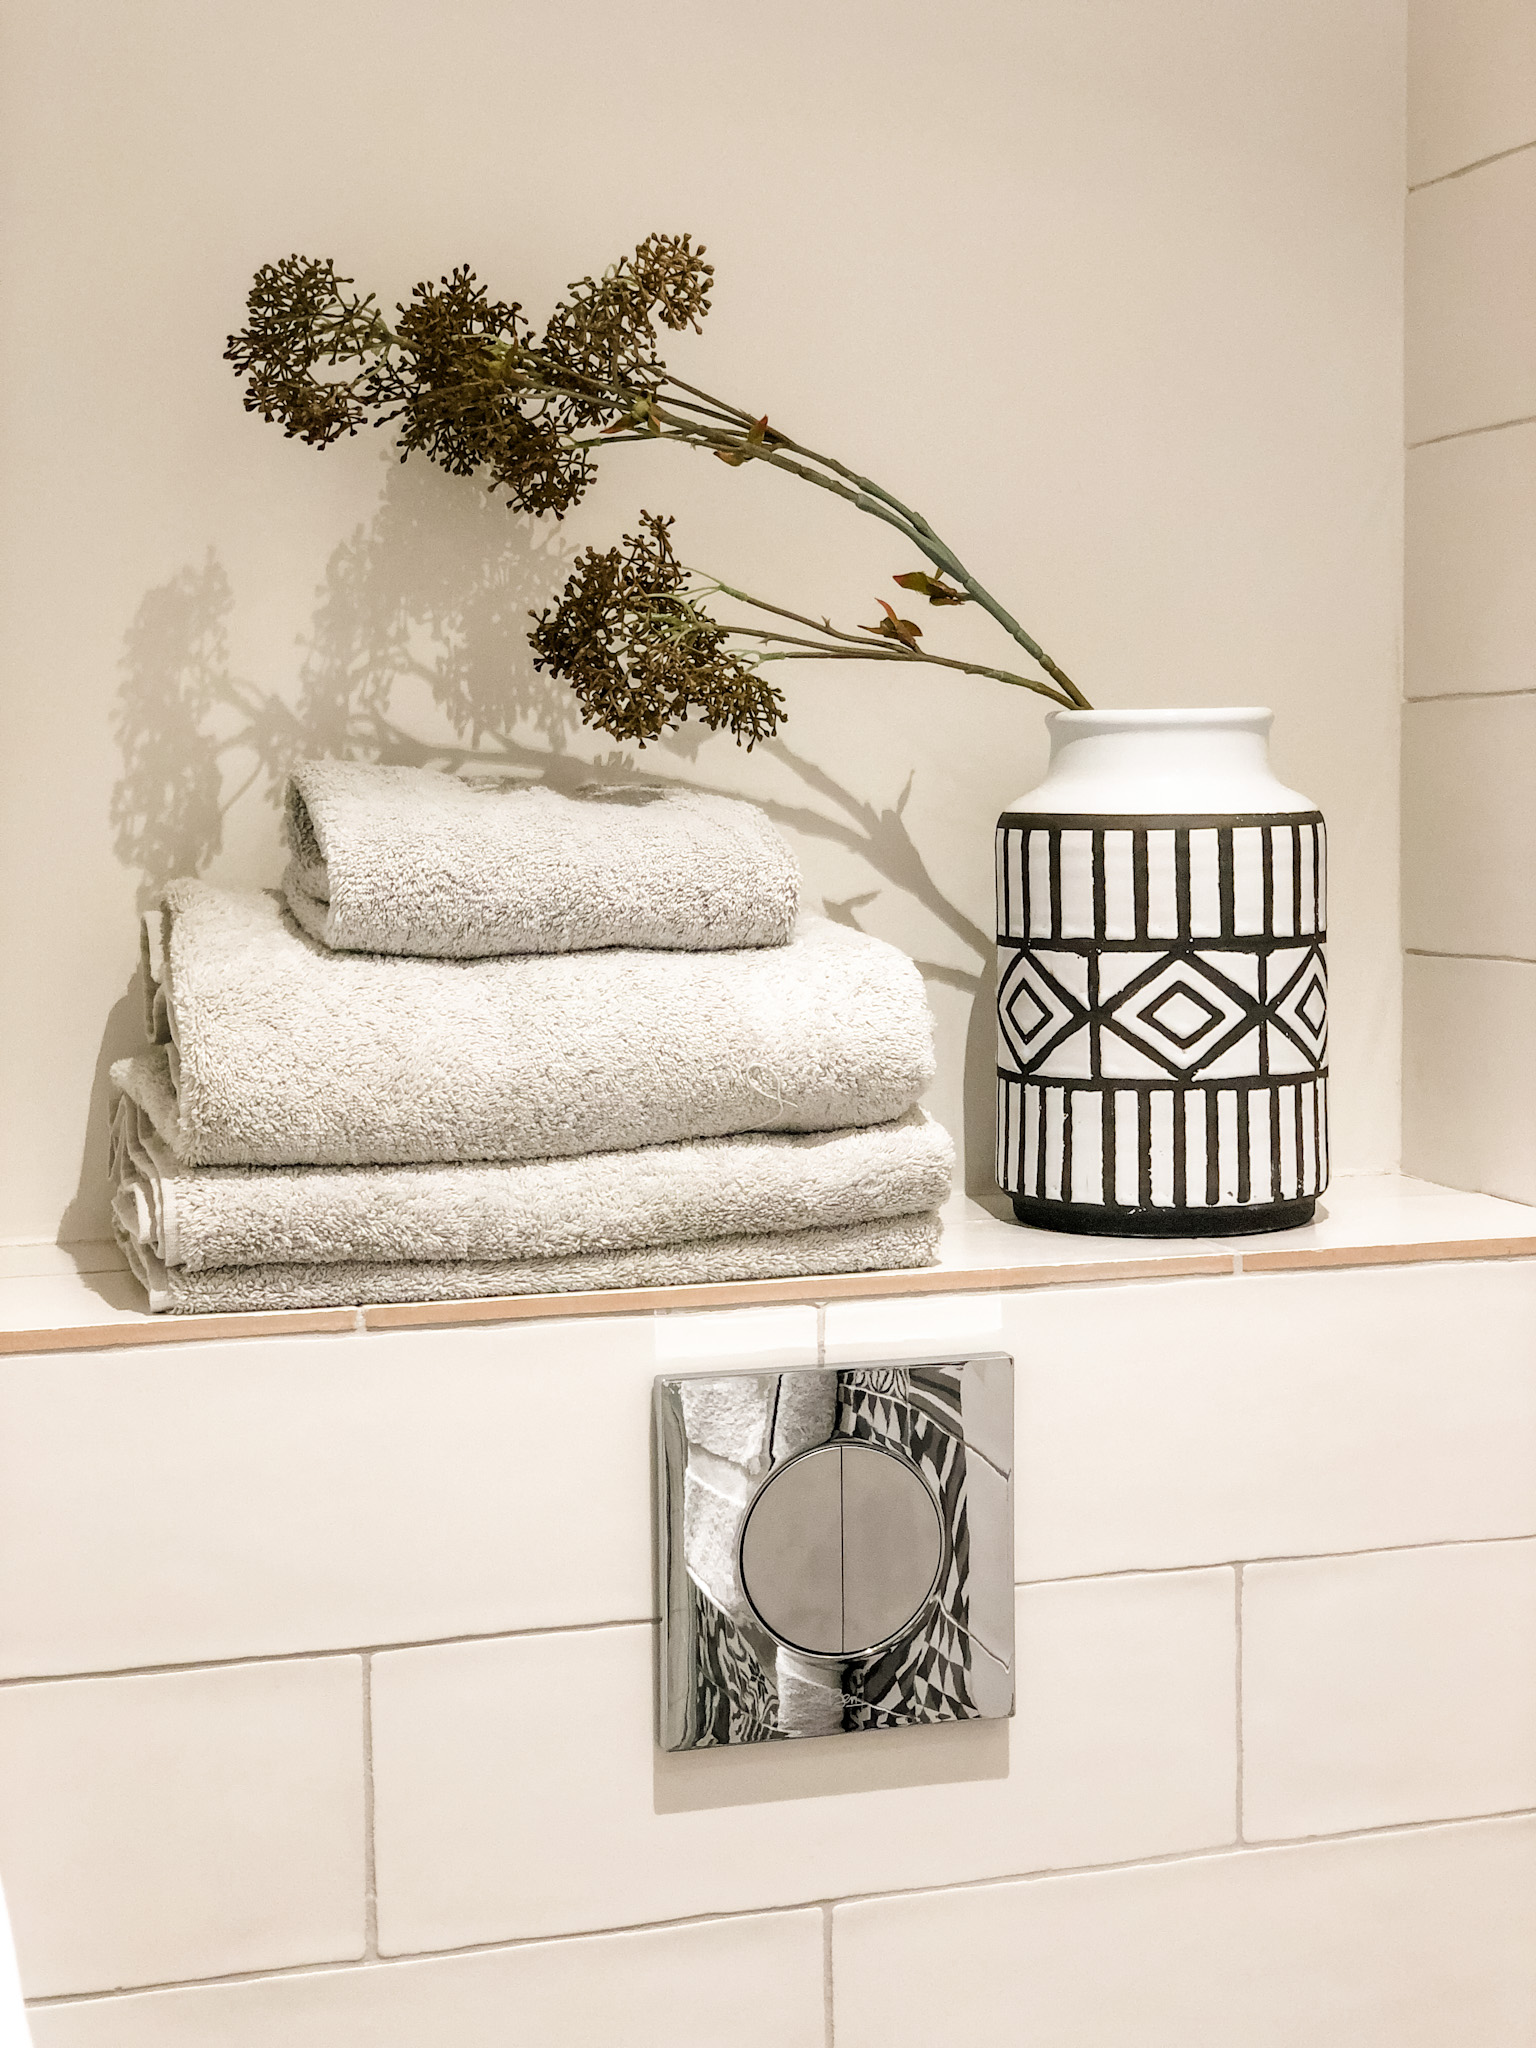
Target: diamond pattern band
{"points": [[1162, 1010]]}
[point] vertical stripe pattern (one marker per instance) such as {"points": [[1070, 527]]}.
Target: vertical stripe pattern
{"points": [[1162, 1011]]}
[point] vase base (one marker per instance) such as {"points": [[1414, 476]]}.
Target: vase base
{"points": [[1087, 1220]]}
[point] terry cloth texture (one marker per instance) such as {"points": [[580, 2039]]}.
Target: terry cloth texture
{"points": [[407, 860], [283, 1053], [902, 1241], [200, 1218]]}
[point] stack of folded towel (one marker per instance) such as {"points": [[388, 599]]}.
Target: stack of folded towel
{"points": [[503, 1041]]}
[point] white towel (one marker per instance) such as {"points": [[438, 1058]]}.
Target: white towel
{"points": [[283, 1053], [202, 1218], [407, 860], [903, 1241]]}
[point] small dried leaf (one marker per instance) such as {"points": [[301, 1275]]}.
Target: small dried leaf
{"points": [[893, 628], [934, 588]]}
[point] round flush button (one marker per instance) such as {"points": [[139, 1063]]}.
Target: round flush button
{"points": [[841, 1549]]}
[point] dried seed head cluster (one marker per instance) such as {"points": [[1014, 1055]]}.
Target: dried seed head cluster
{"points": [[459, 373], [463, 380], [455, 386], [602, 335], [641, 654], [301, 317]]}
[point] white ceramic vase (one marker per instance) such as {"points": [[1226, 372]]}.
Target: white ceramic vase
{"points": [[1161, 986]]}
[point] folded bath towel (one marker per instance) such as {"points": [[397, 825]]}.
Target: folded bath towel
{"points": [[283, 1053], [901, 1241], [407, 860], [197, 1218]]}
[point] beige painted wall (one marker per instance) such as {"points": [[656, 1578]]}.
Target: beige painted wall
{"points": [[1469, 725], [1112, 292]]}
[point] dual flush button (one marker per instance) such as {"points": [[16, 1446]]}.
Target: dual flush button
{"points": [[841, 1550], [835, 1549]]}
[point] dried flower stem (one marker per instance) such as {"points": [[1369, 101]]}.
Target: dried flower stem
{"points": [[468, 386]]}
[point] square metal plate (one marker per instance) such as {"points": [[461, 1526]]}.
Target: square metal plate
{"points": [[835, 1547]]}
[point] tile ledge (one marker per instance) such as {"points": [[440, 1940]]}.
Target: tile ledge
{"points": [[1366, 1220]]}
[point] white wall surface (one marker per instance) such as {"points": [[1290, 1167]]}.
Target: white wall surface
{"points": [[1469, 726], [1112, 292]]}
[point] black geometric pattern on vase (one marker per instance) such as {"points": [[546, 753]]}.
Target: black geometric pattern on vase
{"points": [[1162, 1008], [916, 1412]]}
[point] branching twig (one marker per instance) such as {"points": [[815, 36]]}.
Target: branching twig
{"points": [[462, 379]]}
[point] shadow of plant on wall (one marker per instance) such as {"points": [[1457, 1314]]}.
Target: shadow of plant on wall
{"points": [[416, 653], [421, 623]]}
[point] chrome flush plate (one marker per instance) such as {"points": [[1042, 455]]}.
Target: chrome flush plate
{"points": [[835, 1549]]}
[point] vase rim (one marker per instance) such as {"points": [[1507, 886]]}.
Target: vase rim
{"points": [[1228, 717]]}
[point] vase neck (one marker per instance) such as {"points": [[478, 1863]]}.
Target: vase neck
{"points": [[1161, 762]]}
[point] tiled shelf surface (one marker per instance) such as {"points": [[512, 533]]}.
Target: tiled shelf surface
{"points": [[79, 1297]]}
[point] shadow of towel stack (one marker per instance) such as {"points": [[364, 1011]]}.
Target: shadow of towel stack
{"points": [[499, 1041]]}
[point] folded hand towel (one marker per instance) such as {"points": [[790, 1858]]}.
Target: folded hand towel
{"points": [[197, 1218], [283, 1053], [407, 860], [901, 1241]]}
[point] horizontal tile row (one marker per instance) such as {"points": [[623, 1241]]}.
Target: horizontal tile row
{"points": [[1469, 766], [755, 1981], [1471, 301], [1471, 83], [1418, 1940], [321, 1493], [1469, 597], [517, 1789], [1469, 1048], [1410, 1940], [191, 1824]]}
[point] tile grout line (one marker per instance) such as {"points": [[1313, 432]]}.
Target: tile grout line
{"points": [[1503, 959], [1468, 696], [1157, 1571], [255, 1658], [370, 1867], [1524, 419], [1479, 163], [829, 2023], [1237, 1607], [1173, 1859]]}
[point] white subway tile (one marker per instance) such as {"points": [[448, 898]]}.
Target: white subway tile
{"points": [[735, 1338], [915, 1326], [1415, 1940], [1469, 824], [755, 1982], [1469, 595], [1471, 300], [1471, 82], [1273, 1415], [518, 1791], [186, 1824], [1469, 1049], [1398, 1686], [205, 1501]]}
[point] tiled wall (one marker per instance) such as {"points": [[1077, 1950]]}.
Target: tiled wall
{"points": [[1469, 766], [325, 1694]]}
